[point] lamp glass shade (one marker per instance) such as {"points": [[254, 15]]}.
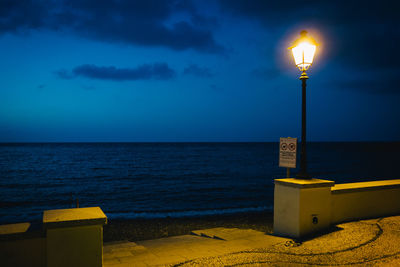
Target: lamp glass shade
{"points": [[303, 55], [303, 51]]}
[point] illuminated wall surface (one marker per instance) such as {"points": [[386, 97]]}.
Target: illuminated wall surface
{"points": [[196, 70], [68, 237], [304, 207], [74, 237]]}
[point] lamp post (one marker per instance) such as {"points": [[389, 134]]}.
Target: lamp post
{"points": [[303, 50]]}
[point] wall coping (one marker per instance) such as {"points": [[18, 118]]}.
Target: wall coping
{"points": [[17, 231], [365, 186], [304, 183], [15, 228], [74, 217]]}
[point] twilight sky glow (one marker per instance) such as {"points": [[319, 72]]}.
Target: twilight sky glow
{"points": [[155, 70]]}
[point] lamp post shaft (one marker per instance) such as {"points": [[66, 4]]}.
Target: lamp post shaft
{"points": [[303, 152]]}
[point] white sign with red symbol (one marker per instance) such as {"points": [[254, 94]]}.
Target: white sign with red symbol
{"points": [[287, 152]]}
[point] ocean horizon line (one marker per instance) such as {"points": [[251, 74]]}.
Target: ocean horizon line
{"points": [[185, 142]]}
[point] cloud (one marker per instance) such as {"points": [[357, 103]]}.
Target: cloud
{"points": [[341, 12], [146, 23], [20, 15], [156, 71], [195, 70], [362, 34], [390, 86]]}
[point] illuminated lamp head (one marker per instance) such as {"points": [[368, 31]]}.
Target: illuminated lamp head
{"points": [[303, 50]]}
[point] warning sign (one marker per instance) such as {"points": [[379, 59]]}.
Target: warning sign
{"points": [[287, 152]]}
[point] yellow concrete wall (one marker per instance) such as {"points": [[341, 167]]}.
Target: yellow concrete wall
{"points": [[75, 246], [297, 202], [71, 237], [286, 210], [23, 252], [362, 203], [315, 210]]}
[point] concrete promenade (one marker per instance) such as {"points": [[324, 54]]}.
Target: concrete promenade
{"points": [[374, 242]]}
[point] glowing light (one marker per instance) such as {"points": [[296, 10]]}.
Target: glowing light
{"points": [[303, 51]]}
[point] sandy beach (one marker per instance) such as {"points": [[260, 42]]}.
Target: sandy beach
{"points": [[144, 229]]}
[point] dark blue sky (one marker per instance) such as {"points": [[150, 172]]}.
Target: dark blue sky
{"points": [[154, 70]]}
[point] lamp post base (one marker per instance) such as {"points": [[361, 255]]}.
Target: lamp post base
{"points": [[303, 175]]}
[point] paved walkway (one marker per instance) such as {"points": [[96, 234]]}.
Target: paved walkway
{"points": [[364, 243]]}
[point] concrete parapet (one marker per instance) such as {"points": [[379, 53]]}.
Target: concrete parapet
{"points": [[74, 236], [301, 206], [365, 200], [66, 237], [22, 244]]}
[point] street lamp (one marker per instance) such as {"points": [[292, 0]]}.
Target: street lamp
{"points": [[303, 50]]}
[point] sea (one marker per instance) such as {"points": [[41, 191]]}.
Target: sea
{"points": [[158, 180]]}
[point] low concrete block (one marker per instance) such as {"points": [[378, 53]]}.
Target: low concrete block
{"points": [[75, 246], [74, 237], [22, 244], [301, 206]]}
